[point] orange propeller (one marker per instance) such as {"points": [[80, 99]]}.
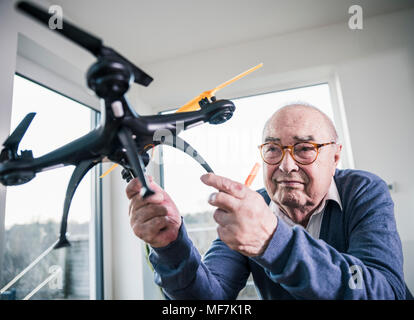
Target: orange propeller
{"points": [[193, 104]]}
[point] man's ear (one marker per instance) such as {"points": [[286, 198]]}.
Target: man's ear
{"points": [[337, 155]]}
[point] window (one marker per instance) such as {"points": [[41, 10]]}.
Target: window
{"points": [[34, 210], [231, 151]]}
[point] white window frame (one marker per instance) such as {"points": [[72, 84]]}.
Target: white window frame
{"points": [[31, 67]]}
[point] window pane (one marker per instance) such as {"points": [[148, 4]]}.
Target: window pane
{"points": [[231, 151], [34, 210]]}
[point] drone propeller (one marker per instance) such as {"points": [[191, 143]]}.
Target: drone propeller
{"points": [[84, 39], [194, 105], [13, 141]]}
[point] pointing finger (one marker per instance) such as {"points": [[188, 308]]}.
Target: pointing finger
{"points": [[223, 184]]}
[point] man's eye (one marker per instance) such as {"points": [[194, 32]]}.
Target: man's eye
{"points": [[272, 149]]}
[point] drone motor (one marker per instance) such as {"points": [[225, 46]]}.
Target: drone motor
{"points": [[17, 178]]}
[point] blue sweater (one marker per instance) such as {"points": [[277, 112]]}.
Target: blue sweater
{"points": [[358, 255]]}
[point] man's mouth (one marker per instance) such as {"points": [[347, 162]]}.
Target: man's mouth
{"points": [[290, 183]]}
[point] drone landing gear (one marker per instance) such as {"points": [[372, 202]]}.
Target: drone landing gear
{"points": [[81, 169], [135, 160]]}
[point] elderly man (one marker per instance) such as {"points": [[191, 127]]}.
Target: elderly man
{"points": [[314, 232]]}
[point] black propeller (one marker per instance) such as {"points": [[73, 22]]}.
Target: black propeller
{"points": [[12, 142], [9, 153], [84, 39]]}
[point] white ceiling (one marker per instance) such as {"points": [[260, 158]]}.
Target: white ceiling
{"points": [[150, 31]]}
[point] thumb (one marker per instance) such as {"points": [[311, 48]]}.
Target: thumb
{"points": [[134, 186]]}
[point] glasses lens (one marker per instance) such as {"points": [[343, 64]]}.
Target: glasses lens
{"points": [[271, 153], [305, 152]]}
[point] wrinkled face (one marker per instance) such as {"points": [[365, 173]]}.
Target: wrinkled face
{"points": [[290, 184]]}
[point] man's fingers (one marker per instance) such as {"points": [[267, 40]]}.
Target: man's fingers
{"points": [[137, 202], [222, 217], [134, 186], [224, 201], [223, 184], [148, 213], [150, 229], [225, 235]]}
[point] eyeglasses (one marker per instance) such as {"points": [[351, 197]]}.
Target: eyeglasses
{"points": [[302, 152]]}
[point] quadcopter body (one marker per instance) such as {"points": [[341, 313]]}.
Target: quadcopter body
{"points": [[123, 136]]}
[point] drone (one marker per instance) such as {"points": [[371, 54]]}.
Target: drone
{"points": [[123, 136]]}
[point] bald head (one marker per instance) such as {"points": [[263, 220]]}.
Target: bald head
{"points": [[294, 113]]}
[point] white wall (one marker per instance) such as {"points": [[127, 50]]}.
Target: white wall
{"points": [[380, 122], [375, 69]]}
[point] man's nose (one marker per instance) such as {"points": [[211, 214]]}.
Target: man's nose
{"points": [[287, 164]]}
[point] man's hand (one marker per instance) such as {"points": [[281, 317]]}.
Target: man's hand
{"points": [[246, 224], [156, 219]]}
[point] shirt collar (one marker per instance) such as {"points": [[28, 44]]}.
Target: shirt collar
{"points": [[333, 194]]}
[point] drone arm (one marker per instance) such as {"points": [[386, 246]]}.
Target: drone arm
{"points": [[81, 169], [83, 148], [213, 113]]}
